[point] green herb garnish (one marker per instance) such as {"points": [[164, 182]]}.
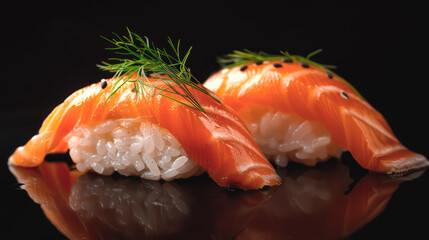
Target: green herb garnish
{"points": [[237, 58], [142, 58]]}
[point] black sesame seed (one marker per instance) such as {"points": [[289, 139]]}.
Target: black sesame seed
{"points": [[304, 65], [277, 65], [103, 83], [244, 67], [329, 74], [287, 60], [258, 62], [344, 95]]}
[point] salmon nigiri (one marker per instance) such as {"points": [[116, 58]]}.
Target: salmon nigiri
{"points": [[297, 110], [163, 126]]}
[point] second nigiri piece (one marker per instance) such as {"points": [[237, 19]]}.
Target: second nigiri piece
{"points": [[298, 110]]}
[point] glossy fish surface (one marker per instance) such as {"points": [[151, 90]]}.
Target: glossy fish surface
{"points": [[216, 139], [316, 94]]}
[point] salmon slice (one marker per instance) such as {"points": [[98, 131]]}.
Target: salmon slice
{"points": [[317, 95], [217, 140]]}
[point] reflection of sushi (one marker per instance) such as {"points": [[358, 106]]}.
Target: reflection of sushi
{"points": [[159, 127], [161, 210], [90, 206], [313, 205], [298, 110], [49, 185], [153, 210]]}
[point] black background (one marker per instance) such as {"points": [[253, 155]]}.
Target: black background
{"points": [[51, 50]]}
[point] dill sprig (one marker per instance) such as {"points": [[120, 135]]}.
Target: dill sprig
{"points": [[237, 58], [141, 58]]}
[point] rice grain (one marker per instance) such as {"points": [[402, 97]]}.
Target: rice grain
{"points": [[130, 147], [284, 137]]}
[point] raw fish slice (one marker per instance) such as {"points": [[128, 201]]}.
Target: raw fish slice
{"points": [[315, 94], [216, 140]]}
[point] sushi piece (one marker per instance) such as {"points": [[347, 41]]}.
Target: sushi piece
{"points": [[160, 127], [298, 110]]}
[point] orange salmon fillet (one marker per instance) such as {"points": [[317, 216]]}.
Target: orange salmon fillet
{"points": [[217, 140], [317, 95]]}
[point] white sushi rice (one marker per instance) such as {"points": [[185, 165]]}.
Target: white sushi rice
{"points": [[132, 148], [288, 137]]}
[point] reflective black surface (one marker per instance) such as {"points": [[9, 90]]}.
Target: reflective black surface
{"points": [[313, 203], [49, 51]]}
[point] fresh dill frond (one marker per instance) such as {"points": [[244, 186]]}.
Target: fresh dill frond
{"points": [[141, 58], [237, 58]]}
